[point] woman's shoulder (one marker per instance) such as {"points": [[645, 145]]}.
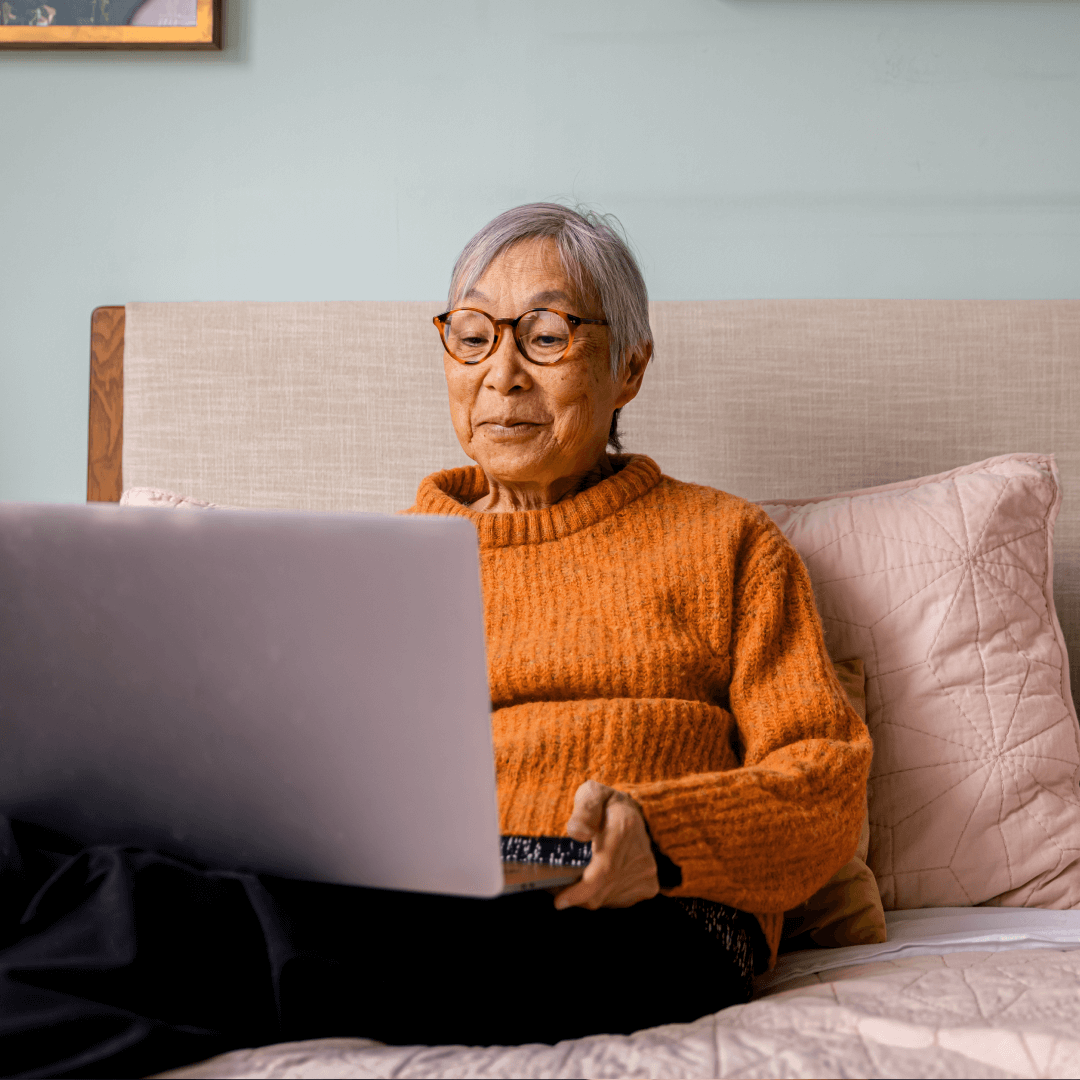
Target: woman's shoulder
{"points": [[714, 504], [718, 519]]}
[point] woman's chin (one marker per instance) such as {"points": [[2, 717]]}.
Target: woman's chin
{"points": [[504, 466], [517, 450]]}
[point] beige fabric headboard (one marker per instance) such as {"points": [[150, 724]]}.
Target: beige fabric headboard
{"points": [[342, 406]]}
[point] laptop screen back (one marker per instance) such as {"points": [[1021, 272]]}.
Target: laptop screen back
{"points": [[297, 694]]}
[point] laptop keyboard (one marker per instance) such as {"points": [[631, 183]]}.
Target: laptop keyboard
{"points": [[549, 850]]}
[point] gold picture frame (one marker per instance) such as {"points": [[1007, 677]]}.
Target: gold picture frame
{"points": [[95, 31]]}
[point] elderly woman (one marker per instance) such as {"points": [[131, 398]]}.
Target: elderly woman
{"points": [[664, 714], [658, 676]]}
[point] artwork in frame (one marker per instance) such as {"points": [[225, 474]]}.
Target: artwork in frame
{"points": [[110, 24]]}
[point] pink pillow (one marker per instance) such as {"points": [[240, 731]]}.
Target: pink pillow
{"points": [[145, 496], [943, 585]]}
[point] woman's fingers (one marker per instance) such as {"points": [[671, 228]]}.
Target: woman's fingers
{"points": [[588, 891], [625, 848], [622, 870], [587, 818]]}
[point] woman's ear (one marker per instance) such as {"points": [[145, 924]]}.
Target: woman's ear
{"points": [[629, 380]]}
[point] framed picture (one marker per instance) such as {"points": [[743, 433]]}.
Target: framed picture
{"points": [[110, 24]]}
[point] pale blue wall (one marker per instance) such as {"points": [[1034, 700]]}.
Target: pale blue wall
{"points": [[345, 149]]}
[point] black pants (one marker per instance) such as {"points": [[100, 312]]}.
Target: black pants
{"points": [[118, 962]]}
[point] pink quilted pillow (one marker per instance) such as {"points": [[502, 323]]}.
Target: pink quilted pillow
{"points": [[145, 496], [943, 585]]}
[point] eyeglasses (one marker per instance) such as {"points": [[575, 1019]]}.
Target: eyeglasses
{"points": [[543, 335]]}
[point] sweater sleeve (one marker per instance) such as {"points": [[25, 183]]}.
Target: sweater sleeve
{"points": [[766, 835]]}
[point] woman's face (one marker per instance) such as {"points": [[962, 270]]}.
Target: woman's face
{"points": [[525, 423]]}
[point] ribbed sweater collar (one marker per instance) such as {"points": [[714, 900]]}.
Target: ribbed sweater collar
{"points": [[449, 492]]}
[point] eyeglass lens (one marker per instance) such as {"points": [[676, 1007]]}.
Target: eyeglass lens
{"points": [[543, 336]]}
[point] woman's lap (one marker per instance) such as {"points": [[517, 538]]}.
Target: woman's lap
{"points": [[507, 970], [130, 962]]}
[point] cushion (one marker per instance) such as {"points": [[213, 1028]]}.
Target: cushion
{"points": [[943, 585], [847, 910], [145, 496]]}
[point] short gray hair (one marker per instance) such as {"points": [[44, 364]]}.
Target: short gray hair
{"points": [[595, 256]]}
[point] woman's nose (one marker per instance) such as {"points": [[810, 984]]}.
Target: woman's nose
{"points": [[507, 369]]}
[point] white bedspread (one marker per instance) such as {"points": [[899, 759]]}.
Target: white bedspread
{"points": [[983, 992]]}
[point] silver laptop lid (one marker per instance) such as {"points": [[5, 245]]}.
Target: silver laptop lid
{"points": [[298, 694]]}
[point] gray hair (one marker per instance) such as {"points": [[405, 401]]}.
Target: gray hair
{"points": [[596, 257]]}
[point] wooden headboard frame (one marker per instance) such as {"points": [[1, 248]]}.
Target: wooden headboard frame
{"points": [[104, 459]]}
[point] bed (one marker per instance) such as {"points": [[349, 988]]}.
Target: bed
{"points": [[947, 427]]}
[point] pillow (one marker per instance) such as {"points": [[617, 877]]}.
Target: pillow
{"points": [[943, 585], [145, 496], [847, 909], [166, 499]]}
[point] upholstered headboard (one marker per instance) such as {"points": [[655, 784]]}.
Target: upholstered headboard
{"points": [[342, 405]]}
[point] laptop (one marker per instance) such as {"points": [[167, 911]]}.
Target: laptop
{"points": [[299, 694]]}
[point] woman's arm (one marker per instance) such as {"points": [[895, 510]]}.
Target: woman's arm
{"points": [[765, 836]]}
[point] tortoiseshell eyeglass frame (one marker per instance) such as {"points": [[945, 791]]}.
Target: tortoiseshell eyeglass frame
{"points": [[573, 321]]}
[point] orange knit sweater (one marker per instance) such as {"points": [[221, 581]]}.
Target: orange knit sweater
{"points": [[661, 638]]}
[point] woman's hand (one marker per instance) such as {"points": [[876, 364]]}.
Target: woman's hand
{"points": [[622, 870]]}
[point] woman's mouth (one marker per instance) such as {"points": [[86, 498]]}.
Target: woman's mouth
{"points": [[510, 429]]}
